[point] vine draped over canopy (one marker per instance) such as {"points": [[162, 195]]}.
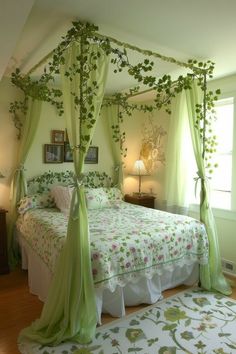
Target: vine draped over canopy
{"points": [[165, 88], [81, 59]]}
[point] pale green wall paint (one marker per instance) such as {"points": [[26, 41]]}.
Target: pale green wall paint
{"points": [[8, 140], [49, 121], [133, 126], [227, 238], [226, 235]]}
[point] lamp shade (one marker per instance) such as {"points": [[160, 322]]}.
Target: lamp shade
{"points": [[139, 168]]}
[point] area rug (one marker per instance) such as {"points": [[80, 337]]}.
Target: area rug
{"points": [[193, 321]]}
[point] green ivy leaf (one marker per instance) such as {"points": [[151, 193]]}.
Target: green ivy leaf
{"points": [[201, 301], [134, 334], [167, 350], [231, 346], [224, 334], [134, 322], [230, 303], [188, 322], [115, 330], [174, 314], [169, 327]]}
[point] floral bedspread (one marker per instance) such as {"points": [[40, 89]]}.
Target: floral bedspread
{"points": [[127, 241]]}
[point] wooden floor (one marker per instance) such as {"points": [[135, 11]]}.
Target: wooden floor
{"points": [[18, 308]]}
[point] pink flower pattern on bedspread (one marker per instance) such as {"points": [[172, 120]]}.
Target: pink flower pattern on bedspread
{"points": [[127, 241]]}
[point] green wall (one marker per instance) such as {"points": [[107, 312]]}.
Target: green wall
{"points": [[8, 140], [133, 126], [49, 121]]}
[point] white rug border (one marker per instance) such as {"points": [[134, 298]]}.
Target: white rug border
{"points": [[148, 307]]}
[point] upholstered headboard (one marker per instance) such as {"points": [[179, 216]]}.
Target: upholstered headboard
{"points": [[44, 182]]}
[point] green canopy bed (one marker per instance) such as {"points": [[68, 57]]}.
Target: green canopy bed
{"points": [[82, 60]]}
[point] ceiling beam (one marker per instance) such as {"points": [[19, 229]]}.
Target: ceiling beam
{"points": [[13, 15]]}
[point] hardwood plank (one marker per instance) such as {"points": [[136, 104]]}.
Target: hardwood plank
{"points": [[18, 308]]}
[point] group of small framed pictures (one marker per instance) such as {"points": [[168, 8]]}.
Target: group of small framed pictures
{"points": [[59, 150]]}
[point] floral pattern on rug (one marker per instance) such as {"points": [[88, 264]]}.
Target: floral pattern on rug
{"points": [[194, 321], [127, 241]]}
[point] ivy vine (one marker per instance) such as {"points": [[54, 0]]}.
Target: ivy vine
{"points": [[84, 34]]}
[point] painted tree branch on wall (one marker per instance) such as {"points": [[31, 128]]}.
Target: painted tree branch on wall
{"points": [[152, 151]]}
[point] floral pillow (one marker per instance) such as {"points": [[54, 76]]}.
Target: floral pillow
{"points": [[96, 198], [114, 194], [39, 200]]}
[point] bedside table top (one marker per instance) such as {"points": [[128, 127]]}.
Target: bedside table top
{"points": [[2, 210], [140, 196], [145, 200]]}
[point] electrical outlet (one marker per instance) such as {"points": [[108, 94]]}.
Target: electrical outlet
{"points": [[228, 266]]}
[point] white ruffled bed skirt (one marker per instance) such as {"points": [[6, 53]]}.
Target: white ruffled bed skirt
{"points": [[146, 291]]}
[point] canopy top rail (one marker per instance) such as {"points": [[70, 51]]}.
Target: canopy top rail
{"points": [[84, 37], [149, 53], [145, 52], [92, 35]]}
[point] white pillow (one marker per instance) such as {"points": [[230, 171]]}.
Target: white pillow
{"points": [[96, 198], [62, 196]]}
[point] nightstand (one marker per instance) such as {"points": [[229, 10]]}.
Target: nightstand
{"points": [[144, 200], [4, 268]]}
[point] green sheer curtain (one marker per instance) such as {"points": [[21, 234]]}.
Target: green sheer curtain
{"points": [[178, 156], [112, 119], [70, 309], [211, 275], [18, 185]]}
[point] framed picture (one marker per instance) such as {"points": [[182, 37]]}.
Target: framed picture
{"points": [[58, 136], [92, 155], [68, 156], [53, 153]]}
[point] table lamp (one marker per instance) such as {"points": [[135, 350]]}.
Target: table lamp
{"points": [[139, 170]]}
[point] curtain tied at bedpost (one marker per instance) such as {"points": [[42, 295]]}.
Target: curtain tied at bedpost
{"points": [[73, 316], [20, 168], [19, 175], [211, 275], [205, 181], [117, 168], [78, 183]]}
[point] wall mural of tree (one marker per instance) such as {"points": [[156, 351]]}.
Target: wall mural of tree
{"points": [[152, 150]]}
